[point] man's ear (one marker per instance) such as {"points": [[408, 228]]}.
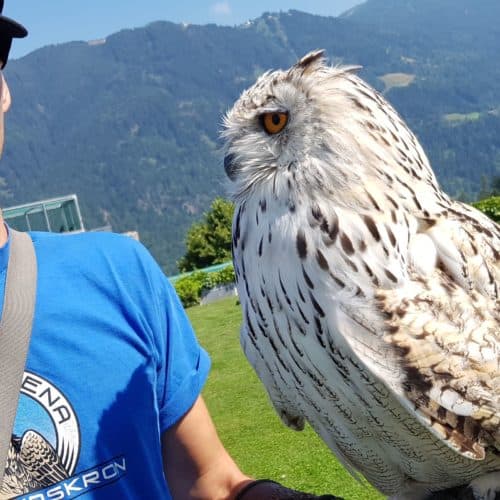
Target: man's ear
{"points": [[5, 97]]}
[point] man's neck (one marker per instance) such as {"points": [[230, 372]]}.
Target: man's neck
{"points": [[3, 233]]}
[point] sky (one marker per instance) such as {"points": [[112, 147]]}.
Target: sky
{"points": [[58, 21]]}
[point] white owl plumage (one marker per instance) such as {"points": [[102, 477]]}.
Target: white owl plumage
{"points": [[370, 298]]}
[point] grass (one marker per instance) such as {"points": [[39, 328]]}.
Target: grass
{"points": [[247, 423], [394, 80], [458, 118]]}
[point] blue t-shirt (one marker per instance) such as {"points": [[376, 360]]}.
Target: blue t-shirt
{"points": [[113, 362]]}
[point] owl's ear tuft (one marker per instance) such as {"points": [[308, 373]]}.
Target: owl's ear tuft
{"points": [[353, 69], [310, 61]]}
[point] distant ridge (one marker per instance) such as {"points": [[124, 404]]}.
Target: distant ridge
{"points": [[421, 17], [352, 11]]}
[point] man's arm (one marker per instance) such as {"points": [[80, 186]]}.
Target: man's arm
{"points": [[198, 467], [196, 464]]}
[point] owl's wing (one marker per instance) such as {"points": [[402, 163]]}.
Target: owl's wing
{"points": [[468, 248], [448, 341], [16, 479], [443, 332], [42, 461]]}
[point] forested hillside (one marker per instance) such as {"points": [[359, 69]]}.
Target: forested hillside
{"points": [[131, 123]]}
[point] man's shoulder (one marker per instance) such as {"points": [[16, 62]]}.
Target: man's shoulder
{"points": [[92, 248], [90, 241]]}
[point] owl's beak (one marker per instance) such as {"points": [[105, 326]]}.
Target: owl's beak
{"points": [[230, 167]]}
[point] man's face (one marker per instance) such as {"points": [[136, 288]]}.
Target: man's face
{"points": [[4, 106]]}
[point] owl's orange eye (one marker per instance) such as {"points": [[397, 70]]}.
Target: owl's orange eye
{"points": [[274, 122]]}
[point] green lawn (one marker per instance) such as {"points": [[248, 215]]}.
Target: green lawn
{"points": [[247, 423], [394, 80], [459, 118]]}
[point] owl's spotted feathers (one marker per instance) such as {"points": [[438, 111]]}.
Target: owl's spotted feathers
{"points": [[370, 298]]}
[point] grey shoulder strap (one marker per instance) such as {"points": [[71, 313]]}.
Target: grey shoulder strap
{"points": [[15, 332]]}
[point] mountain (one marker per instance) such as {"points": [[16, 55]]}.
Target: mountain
{"points": [[131, 123], [446, 21]]}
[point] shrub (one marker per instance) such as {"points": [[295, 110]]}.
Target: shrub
{"points": [[221, 277], [190, 288]]}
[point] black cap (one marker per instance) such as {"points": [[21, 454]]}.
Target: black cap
{"points": [[9, 29]]}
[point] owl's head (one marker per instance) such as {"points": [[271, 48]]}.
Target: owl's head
{"points": [[313, 128]]}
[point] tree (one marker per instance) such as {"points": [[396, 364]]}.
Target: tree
{"points": [[495, 186], [209, 242]]}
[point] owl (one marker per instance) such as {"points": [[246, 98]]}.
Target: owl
{"points": [[370, 298], [32, 464]]}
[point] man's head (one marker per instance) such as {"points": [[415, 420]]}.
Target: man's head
{"points": [[9, 29]]}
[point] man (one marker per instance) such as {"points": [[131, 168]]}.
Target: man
{"points": [[110, 402]]}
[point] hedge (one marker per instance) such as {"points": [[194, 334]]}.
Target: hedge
{"points": [[190, 288]]}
